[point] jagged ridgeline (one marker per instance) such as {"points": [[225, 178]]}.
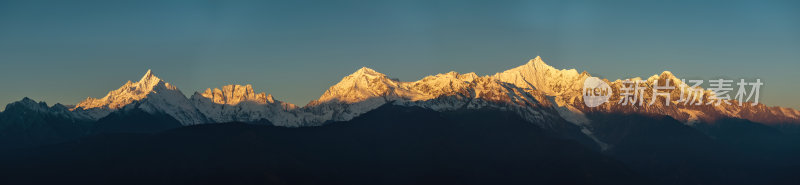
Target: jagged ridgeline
{"points": [[437, 124], [535, 91]]}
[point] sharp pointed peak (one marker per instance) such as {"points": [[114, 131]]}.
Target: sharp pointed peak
{"points": [[367, 71], [537, 61], [533, 64], [28, 101], [664, 76], [149, 76]]}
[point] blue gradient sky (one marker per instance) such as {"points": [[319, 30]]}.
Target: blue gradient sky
{"points": [[64, 51]]}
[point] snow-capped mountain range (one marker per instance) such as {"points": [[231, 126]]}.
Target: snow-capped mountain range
{"points": [[535, 91], [533, 112], [150, 94]]}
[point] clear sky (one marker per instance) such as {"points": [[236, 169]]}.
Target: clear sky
{"points": [[64, 51]]}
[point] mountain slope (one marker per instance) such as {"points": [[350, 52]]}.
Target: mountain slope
{"points": [[388, 145], [565, 88], [535, 90], [150, 94], [367, 89], [236, 103], [28, 123], [525, 125], [539, 76]]}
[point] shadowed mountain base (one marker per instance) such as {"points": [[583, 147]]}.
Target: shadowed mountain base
{"points": [[390, 145]]}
